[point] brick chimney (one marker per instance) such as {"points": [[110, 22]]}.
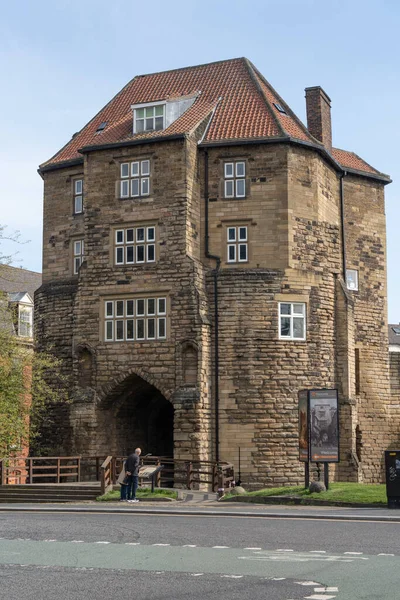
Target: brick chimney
{"points": [[319, 123]]}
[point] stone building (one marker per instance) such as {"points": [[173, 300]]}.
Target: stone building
{"points": [[205, 257]]}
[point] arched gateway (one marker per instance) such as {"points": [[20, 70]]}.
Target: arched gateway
{"points": [[136, 413]]}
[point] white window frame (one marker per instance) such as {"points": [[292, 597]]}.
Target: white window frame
{"points": [[135, 177], [236, 243], [25, 309], [148, 243], [78, 194], [291, 316], [78, 257], [232, 179], [136, 317], [348, 284], [136, 118]]}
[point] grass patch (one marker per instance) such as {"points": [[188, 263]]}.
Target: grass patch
{"points": [[141, 493], [357, 493]]}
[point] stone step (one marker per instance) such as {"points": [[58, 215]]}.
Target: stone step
{"points": [[48, 493]]}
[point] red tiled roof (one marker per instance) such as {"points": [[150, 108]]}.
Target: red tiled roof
{"points": [[352, 161], [242, 100]]}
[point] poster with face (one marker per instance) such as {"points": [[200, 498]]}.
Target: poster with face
{"points": [[303, 425], [324, 426]]}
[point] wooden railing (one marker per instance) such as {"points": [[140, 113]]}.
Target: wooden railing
{"points": [[39, 469], [182, 473], [186, 474], [106, 475]]}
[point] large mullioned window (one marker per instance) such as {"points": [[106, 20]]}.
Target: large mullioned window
{"points": [[135, 179], [135, 319], [135, 245]]}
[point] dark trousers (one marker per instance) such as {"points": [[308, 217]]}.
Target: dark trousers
{"points": [[124, 491], [131, 487], [135, 483]]}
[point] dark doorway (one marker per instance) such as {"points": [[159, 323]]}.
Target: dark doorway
{"points": [[145, 419]]}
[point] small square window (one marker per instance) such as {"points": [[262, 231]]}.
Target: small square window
{"points": [[292, 320], [119, 236], [352, 279], [109, 309], [125, 170]]}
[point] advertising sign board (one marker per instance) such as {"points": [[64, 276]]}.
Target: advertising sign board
{"points": [[324, 425]]}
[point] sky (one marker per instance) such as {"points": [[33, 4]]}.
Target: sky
{"points": [[60, 62]]}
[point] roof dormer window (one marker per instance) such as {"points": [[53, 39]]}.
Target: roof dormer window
{"points": [[149, 118]]}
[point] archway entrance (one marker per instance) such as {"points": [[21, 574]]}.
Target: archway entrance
{"points": [[143, 418]]}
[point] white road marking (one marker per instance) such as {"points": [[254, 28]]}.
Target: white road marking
{"points": [[159, 572], [232, 576], [383, 554], [189, 546], [283, 550], [132, 543], [102, 542], [196, 574], [355, 553], [326, 589], [161, 544], [49, 540], [318, 551], [220, 547], [252, 548], [307, 583], [319, 597], [77, 542], [278, 578]]}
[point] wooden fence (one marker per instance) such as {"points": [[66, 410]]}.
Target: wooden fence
{"points": [[185, 474]]}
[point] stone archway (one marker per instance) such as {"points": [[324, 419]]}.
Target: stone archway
{"points": [[139, 415]]}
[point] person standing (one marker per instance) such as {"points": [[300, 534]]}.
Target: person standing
{"points": [[132, 471], [123, 481]]}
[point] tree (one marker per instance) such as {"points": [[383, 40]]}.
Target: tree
{"points": [[30, 381]]}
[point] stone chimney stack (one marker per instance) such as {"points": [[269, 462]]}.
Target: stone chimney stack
{"points": [[319, 122]]}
